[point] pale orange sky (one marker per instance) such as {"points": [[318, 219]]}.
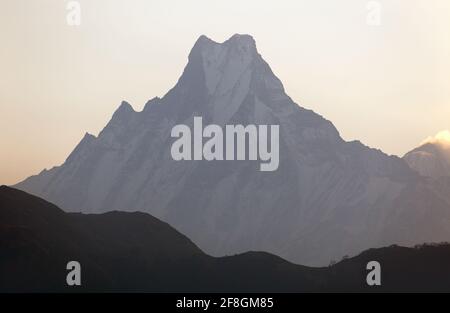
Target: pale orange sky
{"points": [[387, 85]]}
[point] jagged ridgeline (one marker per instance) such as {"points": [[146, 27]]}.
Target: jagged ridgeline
{"points": [[327, 198]]}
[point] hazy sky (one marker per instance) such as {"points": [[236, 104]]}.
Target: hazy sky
{"points": [[387, 85]]}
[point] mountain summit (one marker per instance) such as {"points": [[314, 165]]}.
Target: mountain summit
{"points": [[328, 198], [432, 158]]}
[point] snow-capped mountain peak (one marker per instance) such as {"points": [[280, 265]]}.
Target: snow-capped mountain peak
{"points": [[328, 198]]}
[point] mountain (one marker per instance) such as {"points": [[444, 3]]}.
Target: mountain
{"points": [[119, 251], [432, 158], [124, 251], [328, 198]]}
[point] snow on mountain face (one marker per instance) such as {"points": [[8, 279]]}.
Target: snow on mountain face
{"points": [[432, 159], [328, 198]]}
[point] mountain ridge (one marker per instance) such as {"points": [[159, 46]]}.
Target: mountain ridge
{"points": [[135, 252], [328, 198]]}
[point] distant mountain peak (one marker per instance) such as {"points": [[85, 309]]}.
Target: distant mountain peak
{"points": [[432, 157], [237, 46], [88, 136], [122, 116], [242, 41], [328, 193], [124, 108], [236, 39], [242, 38], [442, 138], [220, 77]]}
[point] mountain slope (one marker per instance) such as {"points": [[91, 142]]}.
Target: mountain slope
{"points": [[328, 198], [121, 251], [125, 252]]}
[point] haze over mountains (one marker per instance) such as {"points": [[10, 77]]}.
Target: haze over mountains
{"points": [[328, 198], [120, 251], [132, 252]]}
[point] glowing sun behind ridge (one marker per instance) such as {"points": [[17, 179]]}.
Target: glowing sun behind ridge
{"points": [[442, 137]]}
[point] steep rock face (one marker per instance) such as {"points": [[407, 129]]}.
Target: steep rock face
{"points": [[328, 198]]}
